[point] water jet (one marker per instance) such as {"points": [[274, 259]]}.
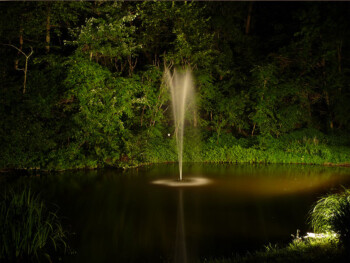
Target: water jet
{"points": [[181, 90], [180, 84]]}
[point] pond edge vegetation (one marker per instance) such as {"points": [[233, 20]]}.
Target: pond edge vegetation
{"points": [[31, 230]]}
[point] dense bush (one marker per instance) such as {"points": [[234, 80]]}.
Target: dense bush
{"points": [[29, 231]]}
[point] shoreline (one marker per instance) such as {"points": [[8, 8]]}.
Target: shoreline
{"points": [[27, 171]]}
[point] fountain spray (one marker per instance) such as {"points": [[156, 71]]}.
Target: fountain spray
{"points": [[181, 89]]}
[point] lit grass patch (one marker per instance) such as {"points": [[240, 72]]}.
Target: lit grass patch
{"points": [[299, 250], [332, 214]]}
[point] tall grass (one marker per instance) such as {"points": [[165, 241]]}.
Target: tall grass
{"points": [[332, 214], [29, 232]]}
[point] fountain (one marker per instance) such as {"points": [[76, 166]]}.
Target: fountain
{"points": [[181, 89], [180, 84]]}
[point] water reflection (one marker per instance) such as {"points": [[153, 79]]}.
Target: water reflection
{"points": [[180, 245]]}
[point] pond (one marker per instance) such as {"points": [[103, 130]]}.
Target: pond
{"points": [[123, 217]]}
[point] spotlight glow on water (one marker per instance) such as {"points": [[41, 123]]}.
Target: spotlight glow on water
{"points": [[188, 182]]}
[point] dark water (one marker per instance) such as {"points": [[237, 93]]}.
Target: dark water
{"points": [[122, 217]]}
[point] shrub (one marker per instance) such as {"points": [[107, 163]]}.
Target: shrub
{"points": [[332, 214], [29, 231]]}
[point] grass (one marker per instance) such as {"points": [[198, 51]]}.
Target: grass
{"points": [[302, 147], [30, 232]]}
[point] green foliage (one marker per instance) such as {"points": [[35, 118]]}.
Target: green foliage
{"points": [[193, 44], [108, 37], [276, 110], [27, 125], [153, 97], [29, 231], [265, 92], [101, 109], [160, 150], [332, 214]]}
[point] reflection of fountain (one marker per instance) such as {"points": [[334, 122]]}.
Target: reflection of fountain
{"points": [[181, 89], [180, 244]]}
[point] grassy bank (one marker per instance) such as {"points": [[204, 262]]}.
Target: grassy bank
{"points": [[306, 146]]}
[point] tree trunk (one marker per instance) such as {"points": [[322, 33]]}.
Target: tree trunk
{"points": [[131, 65], [308, 105], [195, 122], [143, 112], [253, 129], [48, 27], [25, 76], [329, 110], [326, 94], [249, 18], [25, 69], [339, 55], [20, 46]]}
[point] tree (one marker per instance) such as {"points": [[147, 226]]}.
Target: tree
{"points": [[108, 38]]}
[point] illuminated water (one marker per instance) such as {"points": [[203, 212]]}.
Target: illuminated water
{"points": [[125, 218]]}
